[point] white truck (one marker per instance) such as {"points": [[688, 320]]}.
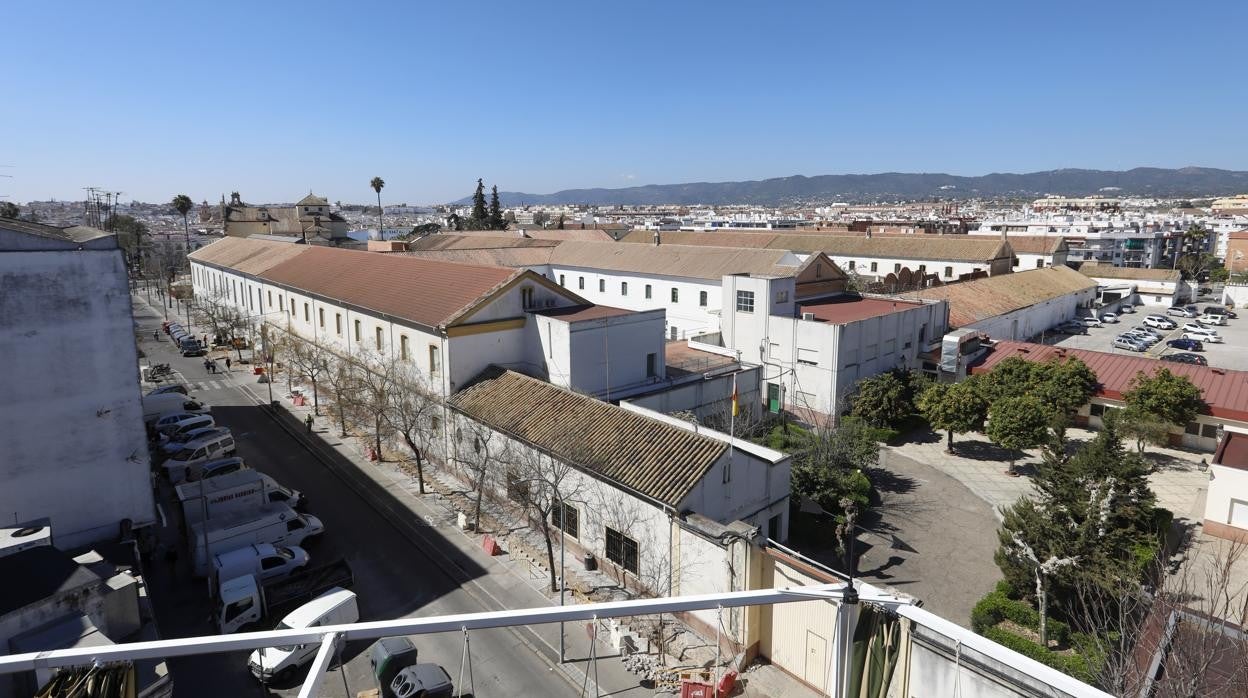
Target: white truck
{"points": [[227, 495], [156, 405], [247, 600], [271, 523]]}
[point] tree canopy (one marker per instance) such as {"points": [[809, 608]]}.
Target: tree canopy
{"points": [[887, 399], [955, 408], [1164, 396]]}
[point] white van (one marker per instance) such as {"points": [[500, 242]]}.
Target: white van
{"points": [[176, 428], [263, 560], [272, 523], [156, 405], [334, 607], [196, 453]]}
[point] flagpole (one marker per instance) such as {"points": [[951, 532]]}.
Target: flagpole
{"points": [[732, 427]]}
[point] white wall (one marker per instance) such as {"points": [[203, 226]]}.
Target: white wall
{"points": [[1029, 322], [601, 355], [687, 315], [72, 446], [1226, 486], [884, 266]]}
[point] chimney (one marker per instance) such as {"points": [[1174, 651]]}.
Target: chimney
{"points": [[656, 238]]}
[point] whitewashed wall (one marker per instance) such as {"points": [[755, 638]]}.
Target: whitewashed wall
{"points": [[687, 315]]}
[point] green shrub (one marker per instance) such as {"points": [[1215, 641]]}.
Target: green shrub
{"points": [[996, 607], [1071, 664]]}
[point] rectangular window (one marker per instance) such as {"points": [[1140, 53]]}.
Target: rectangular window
{"points": [[1097, 410], [561, 283], [851, 265], [602, 285], [564, 516], [745, 301], [1192, 428], [320, 317], [357, 330], [896, 268], [270, 294], [377, 338], [580, 283], [675, 334], [647, 290], [782, 296], [338, 324], [1040, 263], [621, 550], [702, 299], [675, 295], [281, 303], [651, 365], [874, 266], [773, 527], [948, 272], [1209, 431], [403, 347], [435, 360], [307, 315], [623, 288]]}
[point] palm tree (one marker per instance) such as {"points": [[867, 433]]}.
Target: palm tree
{"points": [[183, 204], [377, 185]]}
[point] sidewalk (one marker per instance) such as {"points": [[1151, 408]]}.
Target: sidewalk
{"points": [[980, 465]]}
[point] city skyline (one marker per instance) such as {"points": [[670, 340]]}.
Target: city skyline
{"points": [[559, 97]]}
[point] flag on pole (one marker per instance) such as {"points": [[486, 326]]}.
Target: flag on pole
{"points": [[736, 408]]}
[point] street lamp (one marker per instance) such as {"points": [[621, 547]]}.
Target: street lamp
{"points": [[810, 506]]}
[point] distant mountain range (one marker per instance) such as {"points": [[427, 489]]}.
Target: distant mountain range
{"points": [[858, 188]]}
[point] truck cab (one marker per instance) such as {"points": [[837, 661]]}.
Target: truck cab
{"points": [[246, 600]]}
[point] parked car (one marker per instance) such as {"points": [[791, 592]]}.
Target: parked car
{"points": [[1186, 344], [1091, 322], [1109, 318], [1129, 343], [1197, 327], [1193, 359], [1211, 319], [1072, 327], [1180, 311], [1159, 322], [1206, 336], [1144, 337], [178, 442], [1126, 308], [171, 388]]}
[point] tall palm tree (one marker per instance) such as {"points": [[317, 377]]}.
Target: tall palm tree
{"points": [[377, 185], [183, 204]]}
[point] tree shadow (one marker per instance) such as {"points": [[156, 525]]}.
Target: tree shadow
{"points": [[921, 435], [986, 451], [1166, 462]]}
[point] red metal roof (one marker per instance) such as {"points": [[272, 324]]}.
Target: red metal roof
{"points": [[1225, 391], [849, 308], [1233, 451]]}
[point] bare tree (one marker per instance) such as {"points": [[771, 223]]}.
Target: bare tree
{"points": [[377, 377], [1043, 570], [310, 360], [551, 483], [414, 410], [341, 377], [479, 454]]}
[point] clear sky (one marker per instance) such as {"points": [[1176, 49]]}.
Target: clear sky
{"points": [[273, 99]]}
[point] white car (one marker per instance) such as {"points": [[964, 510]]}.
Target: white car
{"points": [[1109, 317], [1159, 322], [1203, 337], [1197, 327], [1126, 308], [1091, 322], [1181, 311]]}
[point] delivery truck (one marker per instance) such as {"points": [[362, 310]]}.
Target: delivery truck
{"points": [[246, 600], [271, 523], [229, 494]]}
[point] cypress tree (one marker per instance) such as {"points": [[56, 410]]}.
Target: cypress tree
{"points": [[479, 217], [496, 211]]}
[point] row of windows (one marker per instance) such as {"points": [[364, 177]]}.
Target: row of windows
{"points": [[875, 267], [648, 291]]}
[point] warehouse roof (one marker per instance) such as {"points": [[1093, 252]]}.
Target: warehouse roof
{"points": [[452, 241], [972, 301], [1105, 271], [951, 248], [1225, 391], [658, 460], [674, 260], [247, 255], [498, 256], [1037, 244]]}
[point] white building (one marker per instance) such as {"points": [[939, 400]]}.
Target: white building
{"points": [[1226, 504], [447, 321], [1159, 288], [813, 352], [72, 447]]}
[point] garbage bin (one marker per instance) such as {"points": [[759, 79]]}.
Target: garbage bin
{"points": [[422, 681], [591, 562], [388, 657]]}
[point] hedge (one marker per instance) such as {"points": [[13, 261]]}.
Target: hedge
{"points": [[1070, 664], [996, 607]]}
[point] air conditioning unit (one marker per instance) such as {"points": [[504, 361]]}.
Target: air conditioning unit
{"points": [[15, 538], [810, 317]]}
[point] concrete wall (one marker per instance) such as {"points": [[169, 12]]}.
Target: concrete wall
{"points": [[687, 314], [602, 355], [947, 271], [1228, 492], [710, 397], [73, 445], [1025, 323]]}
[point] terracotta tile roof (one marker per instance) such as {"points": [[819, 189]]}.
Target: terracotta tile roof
{"points": [[426, 292], [1105, 271], [953, 248], [247, 255], [577, 313], [658, 460], [972, 301], [451, 241], [674, 260], [1037, 244], [500, 256], [586, 235], [852, 308], [1225, 391]]}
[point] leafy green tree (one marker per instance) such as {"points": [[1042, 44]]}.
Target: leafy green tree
{"points": [[496, 211], [831, 462], [130, 232], [377, 183], [1017, 423], [8, 209], [953, 408], [1219, 275], [1063, 386], [540, 217], [456, 222], [559, 225], [183, 205], [881, 400], [1012, 377], [1165, 397], [479, 217]]}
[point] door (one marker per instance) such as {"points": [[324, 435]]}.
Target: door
{"points": [[816, 659]]}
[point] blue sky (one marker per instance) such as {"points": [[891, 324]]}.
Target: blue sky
{"points": [[275, 98]]}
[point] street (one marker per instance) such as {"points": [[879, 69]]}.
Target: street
{"points": [[403, 563]]}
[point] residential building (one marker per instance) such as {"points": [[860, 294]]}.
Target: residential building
{"points": [[447, 322], [1231, 205], [1226, 503], [311, 219], [73, 442], [1236, 258], [1138, 240], [1161, 288], [1226, 400], [1017, 306], [1038, 251], [813, 351]]}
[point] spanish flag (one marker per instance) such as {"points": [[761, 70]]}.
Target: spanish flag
{"points": [[736, 408]]}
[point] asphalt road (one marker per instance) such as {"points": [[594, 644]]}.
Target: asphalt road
{"points": [[403, 566]]}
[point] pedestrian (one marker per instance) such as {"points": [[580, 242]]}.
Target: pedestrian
{"points": [[227, 363], [156, 335], [205, 341], [307, 421], [207, 365], [214, 367]]}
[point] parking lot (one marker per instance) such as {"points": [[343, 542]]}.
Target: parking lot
{"points": [[1228, 354]]}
